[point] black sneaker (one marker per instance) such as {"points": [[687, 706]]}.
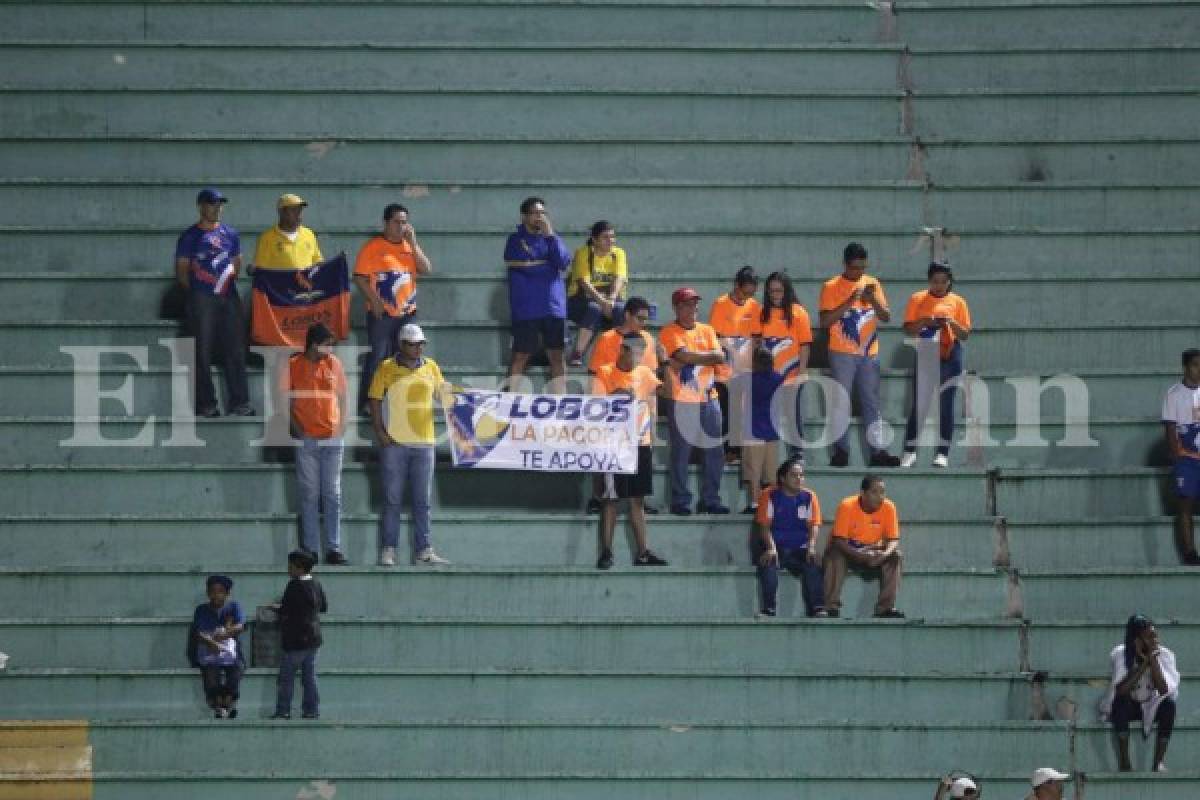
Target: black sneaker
{"points": [[681, 511], [335, 559], [840, 458], [717, 509], [242, 411], [882, 458], [233, 713], [594, 505], [208, 413], [750, 510], [649, 509], [766, 612], [310, 715], [891, 613], [605, 561], [648, 558], [1191, 559], [281, 715], [832, 613]]}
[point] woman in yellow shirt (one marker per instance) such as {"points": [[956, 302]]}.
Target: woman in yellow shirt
{"points": [[596, 286]]}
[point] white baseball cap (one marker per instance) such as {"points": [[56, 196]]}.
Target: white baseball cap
{"points": [[412, 333], [961, 786], [1045, 775]]}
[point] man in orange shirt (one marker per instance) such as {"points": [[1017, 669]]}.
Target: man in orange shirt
{"points": [[386, 273], [316, 387], [695, 417], [849, 307], [733, 316], [866, 535]]}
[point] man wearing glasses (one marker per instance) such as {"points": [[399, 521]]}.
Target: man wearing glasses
{"points": [[408, 383]]}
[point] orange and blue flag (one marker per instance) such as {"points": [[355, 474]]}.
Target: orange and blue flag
{"points": [[286, 303]]}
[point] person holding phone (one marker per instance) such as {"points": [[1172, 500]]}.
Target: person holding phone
{"points": [[1144, 687], [536, 260]]}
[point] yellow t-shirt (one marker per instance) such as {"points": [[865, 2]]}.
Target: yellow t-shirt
{"points": [[276, 251], [408, 399], [602, 272]]}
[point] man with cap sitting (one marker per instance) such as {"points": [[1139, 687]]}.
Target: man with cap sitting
{"points": [[288, 244], [1047, 784], [208, 256], [956, 788], [409, 384]]}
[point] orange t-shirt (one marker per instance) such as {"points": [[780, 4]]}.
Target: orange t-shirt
{"points": [[318, 415], [735, 322], [640, 382], [690, 383], [785, 341], [608, 347], [924, 304], [392, 268], [855, 332], [851, 522]]}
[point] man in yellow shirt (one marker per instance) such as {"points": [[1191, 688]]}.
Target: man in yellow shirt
{"points": [[288, 245], [402, 396]]}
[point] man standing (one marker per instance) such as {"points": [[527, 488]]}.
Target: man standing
{"points": [[386, 273], [1181, 420], [316, 387], [409, 383], [694, 353], [536, 260], [733, 316], [288, 245], [787, 529], [866, 535], [850, 305], [208, 256]]}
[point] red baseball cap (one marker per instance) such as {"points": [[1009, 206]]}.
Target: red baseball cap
{"points": [[684, 295]]}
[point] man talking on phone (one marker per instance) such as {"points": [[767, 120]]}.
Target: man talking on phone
{"points": [[536, 260]]}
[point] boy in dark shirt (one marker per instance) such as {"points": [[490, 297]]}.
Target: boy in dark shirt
{"points": [[299, 622]]}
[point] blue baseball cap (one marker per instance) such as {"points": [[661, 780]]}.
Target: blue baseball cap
{"points": [[210, 194]]}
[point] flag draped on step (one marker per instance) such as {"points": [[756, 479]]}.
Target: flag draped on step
{"points": [[286, 302]]}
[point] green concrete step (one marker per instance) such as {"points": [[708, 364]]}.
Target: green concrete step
{"points": [[1082, 647], [1040, 493], [187, 66], [1028, 206], [768, 695], [36, 391], [191, 489], [449, 295], [485, 342], [504, 591], [508, 748], [560, 643], [1110, 542], [1164, 163], [1107, 593], [238, 440], [1056, 69], [1094, 750], [545, 539]]}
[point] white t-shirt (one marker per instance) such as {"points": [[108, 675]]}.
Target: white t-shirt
{"points": [[1182, 407]]}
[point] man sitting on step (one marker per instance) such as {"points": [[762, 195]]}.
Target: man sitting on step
{"points": [[866, 535]]}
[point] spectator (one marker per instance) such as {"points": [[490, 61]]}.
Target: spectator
{"points": [[300, 613], [317, 389], [850, 305], [783, 328], [866, 534], [288, 245], [208, 256], [787, 530], [409, 383], [214, 646], [733, 316], [760, 448], [936, 315], [386, 273], [635, 317], [629, 376], [596, 286], [693, 352], [536, 259], [1144, 687], [1181, 419], [950, 786], [1047, 784]]}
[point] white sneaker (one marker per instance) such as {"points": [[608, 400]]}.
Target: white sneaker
{"points": [[387, 557], [908, 459], [941, 460], [1162, 767], [428, 558]]}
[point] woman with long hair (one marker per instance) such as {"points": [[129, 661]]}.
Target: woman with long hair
{"points": [[596, 286], [784, 329], [1144, 687]]}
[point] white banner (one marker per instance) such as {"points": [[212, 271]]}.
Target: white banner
{"points": [[542, 432]]}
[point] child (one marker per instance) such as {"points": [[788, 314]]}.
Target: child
{"points": [[760, 450], [299, 622], [214, 647]]}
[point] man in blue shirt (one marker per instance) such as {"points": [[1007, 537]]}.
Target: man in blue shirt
{"points": [[786, 530], [536, 260], [208, 257]]}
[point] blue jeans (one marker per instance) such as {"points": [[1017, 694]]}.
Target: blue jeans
{"points": [[404, 464], [682, 423], [219, 324], [306, 661], [319, 479], [950, 369], [587, 313], [381, 335], [861, 372], [795, 561]]}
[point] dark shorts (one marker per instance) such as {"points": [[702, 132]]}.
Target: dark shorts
{"points": [[531, 335], [619, 486], [1185, 478]]}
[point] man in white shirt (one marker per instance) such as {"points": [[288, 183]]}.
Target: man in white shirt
{"points": [[1181, 421]]}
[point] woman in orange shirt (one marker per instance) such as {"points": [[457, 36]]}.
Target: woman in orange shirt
{"points": [[784, 329]]}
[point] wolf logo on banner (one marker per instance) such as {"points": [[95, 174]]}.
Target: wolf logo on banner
{"points": [[286, 303]]}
